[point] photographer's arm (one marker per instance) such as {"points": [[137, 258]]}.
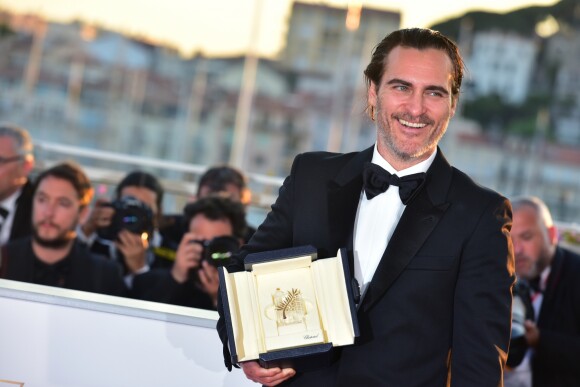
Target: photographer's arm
{"points": [[134, 249], [209, 281], [100, 217], [187, 257]]}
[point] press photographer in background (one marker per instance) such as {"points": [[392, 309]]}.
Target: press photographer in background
{"points": [[125, 229], [215, 230]]}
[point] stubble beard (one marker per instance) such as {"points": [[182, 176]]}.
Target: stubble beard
{"points": [[386, 137], [63, 239]]}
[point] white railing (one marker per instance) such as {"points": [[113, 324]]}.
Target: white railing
{"points": [[178, 178]]}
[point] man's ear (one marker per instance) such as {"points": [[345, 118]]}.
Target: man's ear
{"points": [[28, 164], [246, 197], [84, 214], [454, 103], [553, 235], [372, 95]]}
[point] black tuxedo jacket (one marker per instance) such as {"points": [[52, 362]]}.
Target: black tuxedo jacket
{"points": [[87, 272], [22, 224], [556, 359], [438, 309]]}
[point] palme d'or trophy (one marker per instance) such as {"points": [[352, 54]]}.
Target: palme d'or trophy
{"points": [[290, 311]]}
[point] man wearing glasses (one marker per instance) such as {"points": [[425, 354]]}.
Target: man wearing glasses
{"points": [[16, 163]]}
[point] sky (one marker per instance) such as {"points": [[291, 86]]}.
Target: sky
{"points": [[223, 27]]}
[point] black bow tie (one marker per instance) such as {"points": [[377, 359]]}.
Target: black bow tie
{"points": [[535, 285], [3, 212], [377, 180]]}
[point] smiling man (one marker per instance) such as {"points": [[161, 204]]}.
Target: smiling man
{"points": [[429, 248], [52, 255]]}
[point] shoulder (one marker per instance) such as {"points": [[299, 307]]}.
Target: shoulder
{"points": [[448, 184], [19, 244], [323, 162], [82, 253], [26, 193], [465, 188], [572, 258], [325, 157]]}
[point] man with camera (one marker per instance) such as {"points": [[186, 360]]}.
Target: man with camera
{"points": [[216, 228], [53, 256], [125, 229]]}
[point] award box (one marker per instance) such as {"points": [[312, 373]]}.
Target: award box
{"points": [[288, 308]]}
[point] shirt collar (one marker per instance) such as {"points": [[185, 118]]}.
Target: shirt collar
{"points": [[423, 166], [10, 202]]}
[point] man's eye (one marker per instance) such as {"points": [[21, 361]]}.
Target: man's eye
{"points": [[65, 203]]}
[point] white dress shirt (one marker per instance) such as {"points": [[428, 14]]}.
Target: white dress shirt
{"points": [[376, 220]]}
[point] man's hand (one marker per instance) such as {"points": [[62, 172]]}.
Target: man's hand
{"points": [[100, 217], [266, 376], [134, 249], [209, 281], [187, 257], [532, 333]]}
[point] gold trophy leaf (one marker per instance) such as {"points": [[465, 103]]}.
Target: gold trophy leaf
{"points": [[288, 301]]}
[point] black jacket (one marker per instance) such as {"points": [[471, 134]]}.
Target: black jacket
{"points": [[87, 272]]}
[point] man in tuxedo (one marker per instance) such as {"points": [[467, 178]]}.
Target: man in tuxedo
{"points": [[553, 273], [16, 163], [53, 256], [430, 248]]}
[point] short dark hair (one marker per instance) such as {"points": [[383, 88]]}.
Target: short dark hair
{"points": [[141, 179], [216, 207], [73, 173], [217, 178], [419, 38]]}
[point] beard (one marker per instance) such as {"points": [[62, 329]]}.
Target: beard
{"points": [[58, 242], [387, 135]]}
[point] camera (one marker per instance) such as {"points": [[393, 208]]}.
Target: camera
{"points": [[219, 250], [522, 310], [130, 214]]}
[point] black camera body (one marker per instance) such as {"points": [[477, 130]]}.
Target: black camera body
{"points": [[219, 250], [130, 214], [522, 310]]}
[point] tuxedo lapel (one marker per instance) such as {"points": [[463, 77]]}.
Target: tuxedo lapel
{"points": [[343, 197], [416, 224]]}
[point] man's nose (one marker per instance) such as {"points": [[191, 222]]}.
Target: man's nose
{"points": [[48, 210], [416, 104], [518, 247]]}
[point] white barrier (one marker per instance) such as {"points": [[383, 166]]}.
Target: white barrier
{"points": [[51, 337]]}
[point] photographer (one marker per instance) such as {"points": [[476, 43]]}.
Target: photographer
{"points": [[125, 230], [216, 227]]}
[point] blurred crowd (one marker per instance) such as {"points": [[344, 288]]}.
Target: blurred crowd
{"points": [[55, 232]]}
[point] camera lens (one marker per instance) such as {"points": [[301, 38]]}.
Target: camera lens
{"points": [[219, 250]]}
